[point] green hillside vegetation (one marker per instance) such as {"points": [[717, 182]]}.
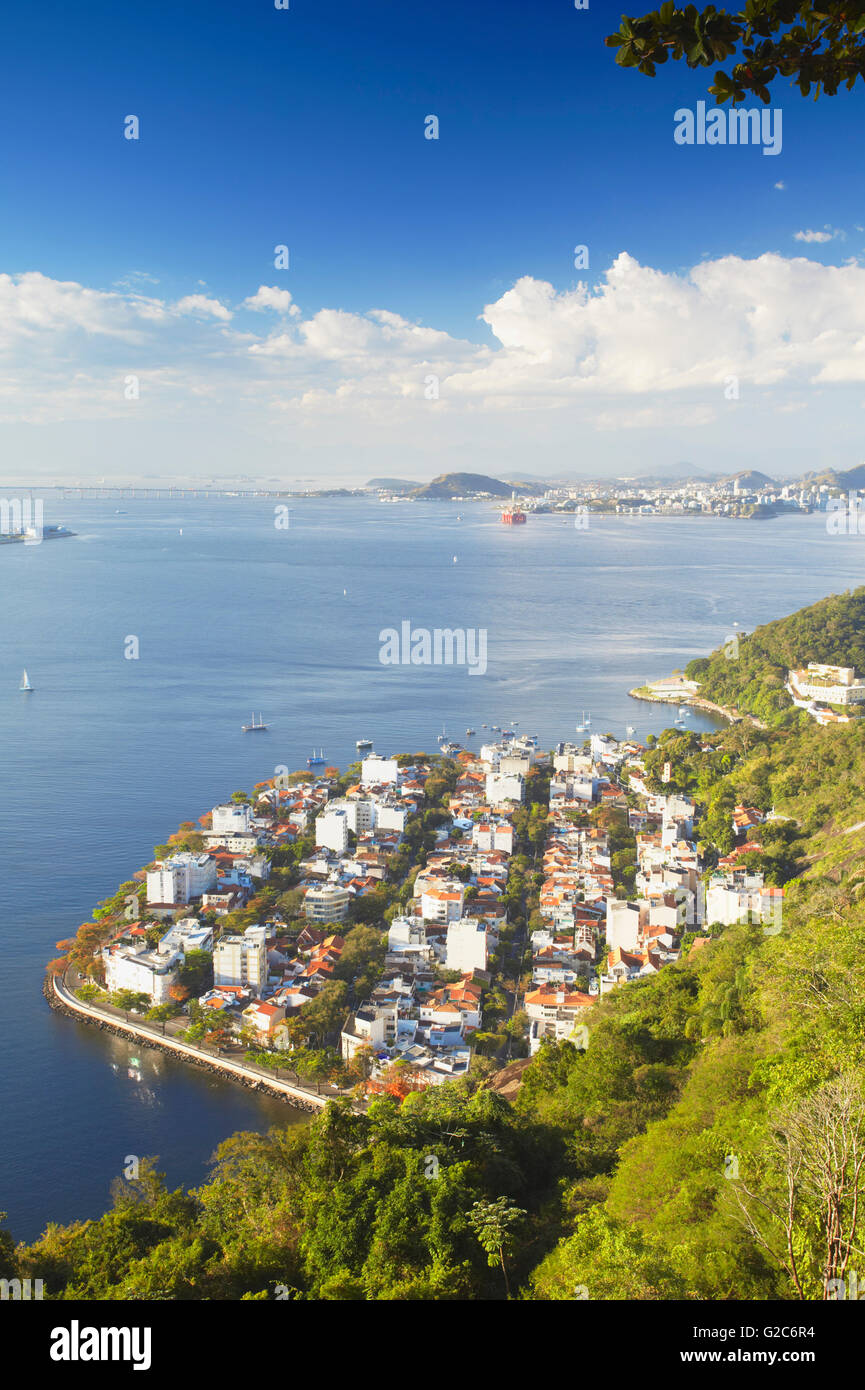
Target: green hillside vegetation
{"points": [[749, 676], [464, 484], [708, 1144]]}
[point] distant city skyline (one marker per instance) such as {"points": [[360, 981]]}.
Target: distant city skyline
{"points": [[553, 286]]}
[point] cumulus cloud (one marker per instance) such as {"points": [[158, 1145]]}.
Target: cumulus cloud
{"points": [[204, 306], [269, 297], [616, 353]]}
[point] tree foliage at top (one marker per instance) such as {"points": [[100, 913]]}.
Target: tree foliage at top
{"points": [[820, 45]]}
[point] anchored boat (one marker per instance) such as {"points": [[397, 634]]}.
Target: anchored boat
{"points": [[254, 728]]}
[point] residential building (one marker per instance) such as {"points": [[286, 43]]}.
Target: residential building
{"points": [[466, 945], [376, 771], [141, 970], [331, 830], [242, 960], [181, 878], [231, 819], [326, 902]]}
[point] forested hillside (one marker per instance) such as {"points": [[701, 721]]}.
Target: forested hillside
{"points": [[749, 673]]}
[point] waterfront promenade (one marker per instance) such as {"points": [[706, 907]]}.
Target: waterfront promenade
{"points": [[155, 1035]]}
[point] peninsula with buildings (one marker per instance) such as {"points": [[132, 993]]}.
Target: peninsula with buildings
{"points": [[575, 996], [395, 927]]}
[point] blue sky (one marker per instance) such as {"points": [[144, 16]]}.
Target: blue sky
{"points": [[305, 127]]}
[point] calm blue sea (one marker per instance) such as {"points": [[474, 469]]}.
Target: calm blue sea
{"points": [[233, 616]]}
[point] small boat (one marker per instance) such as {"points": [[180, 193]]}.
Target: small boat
{"points": [[25, 682], [469, 733], [483, 726], [317, 760], [581, 727], [455, 559], [630, 731], [363, 743], [254, 728], [496, 728]]}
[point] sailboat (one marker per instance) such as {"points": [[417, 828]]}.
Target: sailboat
{"points": [[254, 728], [581, 727], [317, 760], [25, 682]]}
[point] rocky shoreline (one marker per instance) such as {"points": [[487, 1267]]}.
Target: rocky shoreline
{"points": [[118, 1029]]}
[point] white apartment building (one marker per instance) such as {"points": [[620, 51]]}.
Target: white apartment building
{"points": [[231, 819], [142, 970], [359, 812], [177, 880], [555, 1012], [406, 934], [374, 1025], [241, 960], [466, 945], [377, 771], [623, 924], [326, 902], [493, 835], [831, 685], [442, 902], [186, 935], [514, 764], [741, 897], [502, 787], [389, 817], [331, 830]]}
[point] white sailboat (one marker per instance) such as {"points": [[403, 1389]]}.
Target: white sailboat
{"points": [[25, 682], [254, 728], [581, 727]]}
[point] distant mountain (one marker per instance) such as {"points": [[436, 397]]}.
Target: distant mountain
{"points": [[750, 477], [465, 484], [850, 479], [393, 484]]}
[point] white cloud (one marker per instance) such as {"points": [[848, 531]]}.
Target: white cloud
{"points": [[202, 305], [827, 234], [613, 356], [269, 297], [780, 184]]}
